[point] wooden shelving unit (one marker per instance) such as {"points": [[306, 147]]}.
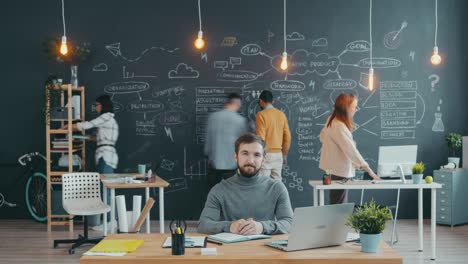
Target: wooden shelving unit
{"points": [[53, 129]]}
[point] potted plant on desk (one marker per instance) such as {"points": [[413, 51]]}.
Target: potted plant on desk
{"points": [[454, 142], [369, 221], [418, 170]]}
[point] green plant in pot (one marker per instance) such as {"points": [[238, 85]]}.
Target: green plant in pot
{"points": [[454, 143], [418, 170], [369, 221]]}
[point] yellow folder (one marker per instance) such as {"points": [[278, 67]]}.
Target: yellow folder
{"points": [[117, 245]]}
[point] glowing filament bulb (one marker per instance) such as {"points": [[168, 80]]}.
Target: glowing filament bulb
{"points": [[435, 58], [371, 79], [63, 47], [199, 42], [284, 61]]}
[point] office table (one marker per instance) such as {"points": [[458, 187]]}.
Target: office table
{"points": [[361, 185], [154, 182], [251, 252]]}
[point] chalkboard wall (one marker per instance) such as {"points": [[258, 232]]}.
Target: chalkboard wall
{"points": [[164, 89]]}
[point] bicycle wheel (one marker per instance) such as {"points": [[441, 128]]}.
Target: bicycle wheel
{"points": [[36, 196]]}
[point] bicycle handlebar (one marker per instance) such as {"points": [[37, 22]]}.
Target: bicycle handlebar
{"points": [[28, 156]]}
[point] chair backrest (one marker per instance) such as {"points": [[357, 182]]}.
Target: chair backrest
{"points": [[80, 186]]}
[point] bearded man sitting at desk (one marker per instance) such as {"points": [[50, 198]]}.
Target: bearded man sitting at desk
{"points": [[247, 203]]}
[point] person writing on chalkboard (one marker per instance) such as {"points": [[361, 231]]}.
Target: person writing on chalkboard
{"points": [[247, 203], [339, 153], [107, 134]]}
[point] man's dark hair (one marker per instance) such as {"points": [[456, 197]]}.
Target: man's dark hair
{"points": [[266, 96], [249, 138], [233, 96], [106, 103]]}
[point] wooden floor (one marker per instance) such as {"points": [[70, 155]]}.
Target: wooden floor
{"points": [[25, 241]]}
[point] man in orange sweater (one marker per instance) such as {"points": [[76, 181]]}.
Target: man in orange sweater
{"points": [[272, 126]]}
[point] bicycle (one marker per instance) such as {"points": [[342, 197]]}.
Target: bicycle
{"points": [[36, 185]]}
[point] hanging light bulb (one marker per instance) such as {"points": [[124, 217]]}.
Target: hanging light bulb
{"points": [[435, 58], [284, 61], [371, 79], [63, 46], [199, 42]]}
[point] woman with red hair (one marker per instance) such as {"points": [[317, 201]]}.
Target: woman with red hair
{"points": [[339, 153]]}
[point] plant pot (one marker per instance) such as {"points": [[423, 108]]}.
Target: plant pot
{"points": [[370, 242], [417, 178], [454, 160]]}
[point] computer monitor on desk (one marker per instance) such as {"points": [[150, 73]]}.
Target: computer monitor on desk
{"points": [[396, 161]]}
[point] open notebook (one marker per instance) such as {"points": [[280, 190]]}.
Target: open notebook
{"points": [[190, 242], [233, 238]]}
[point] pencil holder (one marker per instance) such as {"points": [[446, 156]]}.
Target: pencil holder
{"points": [[178, 244]]}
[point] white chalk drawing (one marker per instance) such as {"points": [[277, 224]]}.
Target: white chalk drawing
{"points": [[368, 98], [176, 184], [208, 100], [438, 125], [398, 104], [270, 35], [175, 104], [392, 40], [322, 114], [235, 61], [312, 84], [411, 54], [167, 164], [237, 76], [358, 46], [171, 91], [229, 42], [288, 85], [145, 106], [288, 97], [304, 62], [118, 107], [291, 180], [183, 71], [115, 50], [251, 50], [379, 63], [404, 74], [204, 56], [295, 36], [131, 75], [145, 128], [223, 65], [340, 84], [320, 42], [101, 67], [169, 133], [434, 81], [172, 118], [255, 93], [197, 168], [4, 202], [126, 87]]}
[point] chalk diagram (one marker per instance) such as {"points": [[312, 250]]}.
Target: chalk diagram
{"points": [[116, 51], [291, 180]]}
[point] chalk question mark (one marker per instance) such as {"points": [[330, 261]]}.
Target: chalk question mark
{"points": [[434, 80]]}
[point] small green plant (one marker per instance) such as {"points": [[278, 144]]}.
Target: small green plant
{"points": [[454, 142], [369, 218], [418, 168]]}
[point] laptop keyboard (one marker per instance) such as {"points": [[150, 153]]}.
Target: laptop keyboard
{"points": [[280, 242]]}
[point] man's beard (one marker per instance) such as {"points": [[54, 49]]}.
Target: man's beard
{"points": [[248, 170]]}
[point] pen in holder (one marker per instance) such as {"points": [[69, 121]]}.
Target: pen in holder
{"points": [[178, 243]]}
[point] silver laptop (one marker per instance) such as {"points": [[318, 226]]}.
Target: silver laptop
{"points": [[315, 227]]}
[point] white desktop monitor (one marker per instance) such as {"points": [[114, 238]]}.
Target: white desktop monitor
{"points": [[396, 161]]}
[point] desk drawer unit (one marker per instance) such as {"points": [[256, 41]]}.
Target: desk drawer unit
{"points": [[452, 196]]}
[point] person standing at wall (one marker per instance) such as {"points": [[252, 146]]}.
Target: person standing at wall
{"points": [[339, 153], [223, 128], [272, 127]]}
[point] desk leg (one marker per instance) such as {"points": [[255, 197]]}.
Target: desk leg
{"points": [[149, 213], [104, 192], [315, 197], [395, 217], [161, 210], [112, 190], [322, 197], [420, 219], [433, 223]]}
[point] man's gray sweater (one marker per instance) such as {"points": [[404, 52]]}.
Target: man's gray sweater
{"points": [[258, 197]]}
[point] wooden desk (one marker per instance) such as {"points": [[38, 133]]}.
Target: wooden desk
{"points": [[362, 185], [251, 252], [155, 182]]}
